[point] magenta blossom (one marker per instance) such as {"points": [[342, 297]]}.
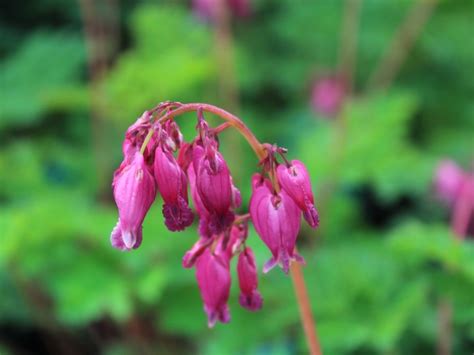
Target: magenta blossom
{"points": [[448, 181], [276, 218], [249, 297], [294, 179], [328, 95], [214, 186], [172, 184], [213, 278], [134, 192]]}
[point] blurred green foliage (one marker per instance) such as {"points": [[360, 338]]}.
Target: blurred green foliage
{"points": [[384, 256]]}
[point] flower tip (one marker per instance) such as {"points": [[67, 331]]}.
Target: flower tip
{"points": [[128, 240], [251, 302], [270, 264], [311, 216]]}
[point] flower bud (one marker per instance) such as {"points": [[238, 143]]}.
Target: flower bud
{"points": [[213, 278], [297, 184], [134, 192], [172, 184], [249, 297], [277, 221]]}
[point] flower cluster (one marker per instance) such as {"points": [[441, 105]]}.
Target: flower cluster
{"points": [[156, 158]]}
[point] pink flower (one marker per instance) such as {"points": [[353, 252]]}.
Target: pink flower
{"points": [[214, 186], [134, 192], [249, 297], [448, 181], [203, 228], [213, 278], [172, 184], [328, 95], [295, 180], [277, 221]]}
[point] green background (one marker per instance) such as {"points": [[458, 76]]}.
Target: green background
{"points": [[384, 257]]}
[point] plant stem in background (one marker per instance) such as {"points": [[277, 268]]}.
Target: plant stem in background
{"points": [[101, 39], [301, 292], [228, 88], [445, 314], [348, 49], [347, 65], [401, 44]]}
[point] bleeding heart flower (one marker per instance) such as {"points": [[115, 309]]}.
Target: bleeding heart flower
{"points": [[172, 184], [276, 218], [213, 278], [294, 179], [249, 297], [134, 192], [214, 186]]}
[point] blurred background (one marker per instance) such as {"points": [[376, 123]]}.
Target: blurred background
{"points": [[371, 95]]}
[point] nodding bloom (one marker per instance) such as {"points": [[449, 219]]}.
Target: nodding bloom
{"points": [[172, 184], [328, 95], [214, 186], [294, 179], [276, 218], [213, 278], [448, 181], [134, 192], [249, 297], [203, 228]]}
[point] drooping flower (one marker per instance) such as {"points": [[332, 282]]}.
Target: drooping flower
{"points": [[134, 192], [172, 184], [214, 186], [249, 297], [328, 95], [276, 218], [213, 278], [448, 181], [294, 179]]}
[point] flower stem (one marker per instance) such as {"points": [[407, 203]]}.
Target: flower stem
{"points": [[301, 292], [306, 314], [234, 121]]}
